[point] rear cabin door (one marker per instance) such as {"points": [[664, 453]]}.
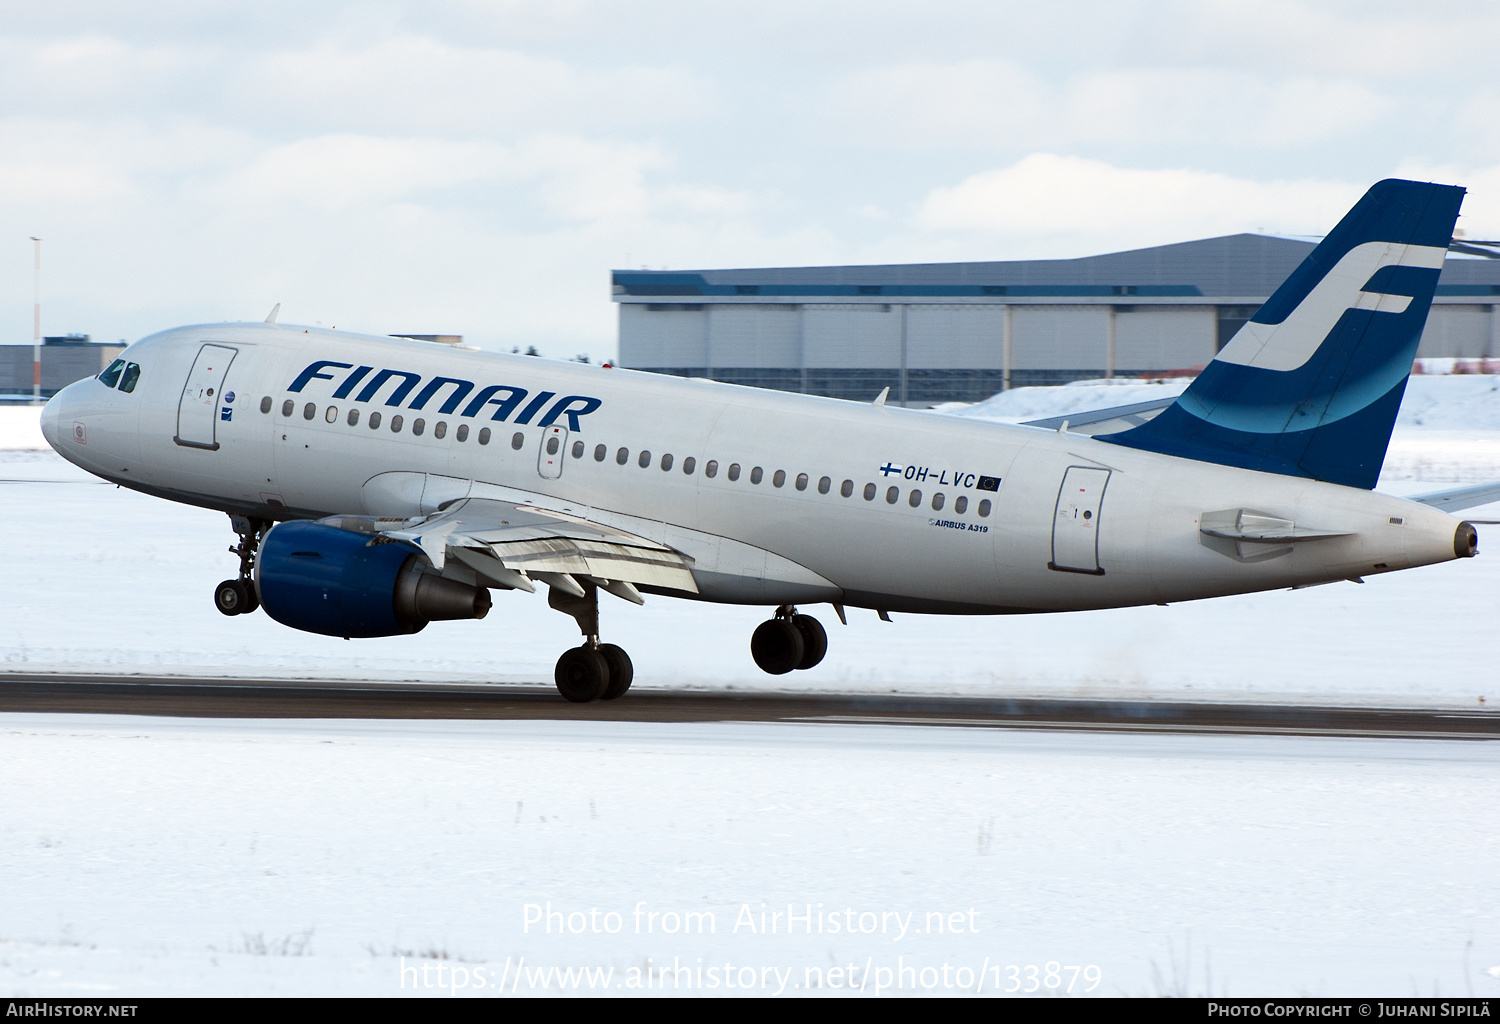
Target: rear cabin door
{"points": [[198, 410], [1075, 528], [549, 462]]}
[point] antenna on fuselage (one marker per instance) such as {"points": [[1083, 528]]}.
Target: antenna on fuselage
{"points": [[880, 398], [271, 318]]}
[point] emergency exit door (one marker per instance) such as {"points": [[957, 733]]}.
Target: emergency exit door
{"points": [[1075, 527], [549, 462], [198, 410]]}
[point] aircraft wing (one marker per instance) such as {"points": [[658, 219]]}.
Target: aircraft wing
{"points": [[511, 543], [1457, 498]]}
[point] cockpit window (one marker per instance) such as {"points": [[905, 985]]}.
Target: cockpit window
{"points": [[111, 374], [131, 375]]}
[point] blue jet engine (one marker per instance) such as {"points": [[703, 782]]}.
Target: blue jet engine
{"points": [[322, 579]]}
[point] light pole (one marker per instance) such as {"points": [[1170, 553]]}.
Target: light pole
{"points": [[36, 323]]}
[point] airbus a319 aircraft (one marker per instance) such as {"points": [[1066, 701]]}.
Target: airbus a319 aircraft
{"points": [[378, 484]]}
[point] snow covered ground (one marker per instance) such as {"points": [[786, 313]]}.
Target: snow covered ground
{"points": [[164, 857], [155, 856], [102, 579]]}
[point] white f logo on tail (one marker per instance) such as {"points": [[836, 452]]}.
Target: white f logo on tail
{"points": [[1291, 343]]}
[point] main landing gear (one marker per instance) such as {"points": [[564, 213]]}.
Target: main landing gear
{"points": [[594, 671], [788, 641], [237, 596]]}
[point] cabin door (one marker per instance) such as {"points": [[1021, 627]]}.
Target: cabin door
{"points": [[1075, 527]]}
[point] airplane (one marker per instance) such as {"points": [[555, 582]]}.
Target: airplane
{"points": [[377, 484]]}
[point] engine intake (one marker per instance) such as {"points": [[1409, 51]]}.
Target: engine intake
{"points": [[321, 579]]}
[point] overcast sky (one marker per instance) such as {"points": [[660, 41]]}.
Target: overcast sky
{"points": [[480, 167]]}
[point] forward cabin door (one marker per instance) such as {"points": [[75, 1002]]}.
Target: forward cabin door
{"points": [[1075, 527], [198, 409], [549, 461]]}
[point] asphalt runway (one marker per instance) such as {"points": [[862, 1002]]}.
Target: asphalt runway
{"points": [[177, 696]]}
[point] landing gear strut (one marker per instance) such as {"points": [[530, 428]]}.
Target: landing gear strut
{"points": [[788, 641], [237, 596], [593, 671]]}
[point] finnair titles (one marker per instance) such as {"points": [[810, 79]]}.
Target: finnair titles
{"points": [[378, 484]]}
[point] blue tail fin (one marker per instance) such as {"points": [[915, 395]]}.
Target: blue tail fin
{"points": [[1311, 385]]}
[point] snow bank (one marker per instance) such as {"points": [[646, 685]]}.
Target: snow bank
{"points": [[21, 429]]}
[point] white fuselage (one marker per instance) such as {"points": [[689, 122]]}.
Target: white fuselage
{"points": [[770, 536]]}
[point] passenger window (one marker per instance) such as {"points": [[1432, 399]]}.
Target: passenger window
{"points": [[644, 460], [111, 374], [309, 410], [688, 464], [984, 509], [846, 488], [937, 502], [960, 504], [824, 484], [374, 421], [440, 431], [332, 415], [622, 456], [891, 495], [711, 468], [778, 478], [517, 439], [869, 492], [396, 422], [286, 407], [484, 435], [914, 499], [801, 481], [417, 426], [577, 449], [599, 452], [734, 471], [353, 417], [553, 444], [666, 463], [265, 404], [132, 374], [462, 433], [756, 475]]}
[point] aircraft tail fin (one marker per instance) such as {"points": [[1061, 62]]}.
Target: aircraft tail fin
{"points": [[1311, 385]]}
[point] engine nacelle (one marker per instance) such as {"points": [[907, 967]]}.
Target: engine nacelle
{"points": [[321, 579]]}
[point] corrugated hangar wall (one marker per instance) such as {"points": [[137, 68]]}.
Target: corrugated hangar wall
{"points": [[961, 332]]}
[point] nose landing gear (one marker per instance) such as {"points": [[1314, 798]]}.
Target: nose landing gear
{"points": [[593, 671], [237, 596], [788, 641]]}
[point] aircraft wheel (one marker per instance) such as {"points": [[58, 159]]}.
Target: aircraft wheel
{"points": [[777, 646], [621, 671], [581, 675], [233, 597], [814, 640]]}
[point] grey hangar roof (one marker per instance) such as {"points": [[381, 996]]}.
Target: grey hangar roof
{"points": [[962, 331]]}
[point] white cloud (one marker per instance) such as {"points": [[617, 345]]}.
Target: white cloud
{"points": [[1001, 104], [1064, 199]]}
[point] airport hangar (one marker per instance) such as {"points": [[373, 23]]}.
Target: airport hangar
{"points": [[960, 332]]}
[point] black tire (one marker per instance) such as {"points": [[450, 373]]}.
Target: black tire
{"points": [[581, 675], [814, 640], [252, 599], [777, 647], [621, 671], [232, 597]]}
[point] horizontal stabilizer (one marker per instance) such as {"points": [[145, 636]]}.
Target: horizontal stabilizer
{"points": [[1244, 524], [1457, 498]]}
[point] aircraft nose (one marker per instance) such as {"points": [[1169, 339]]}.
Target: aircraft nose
{"points": [[51, 417]]}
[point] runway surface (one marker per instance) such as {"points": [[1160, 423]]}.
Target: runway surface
{"points": [[178, 696]]}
